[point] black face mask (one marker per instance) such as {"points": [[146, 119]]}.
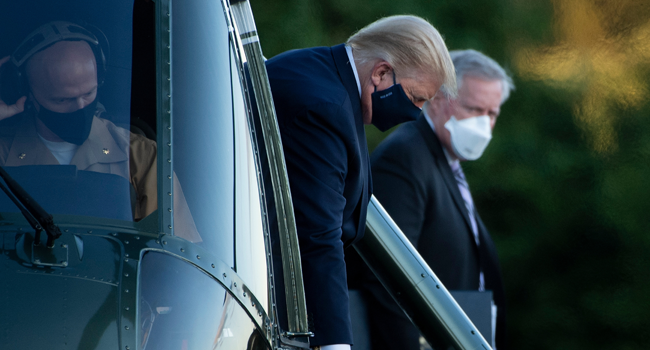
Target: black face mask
{"points": [[391, 107], [71, 127]]}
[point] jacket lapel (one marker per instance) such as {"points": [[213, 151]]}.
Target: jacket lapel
{"points": [[433, 143]]}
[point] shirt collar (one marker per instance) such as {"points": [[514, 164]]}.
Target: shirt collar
{"points": [[348, 49], [450, 159]]}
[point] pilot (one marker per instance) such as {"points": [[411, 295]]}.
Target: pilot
{"points": [[59, 121]]}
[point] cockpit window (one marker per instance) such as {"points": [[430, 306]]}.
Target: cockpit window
{"points": [[67, 134], [202, 112]]}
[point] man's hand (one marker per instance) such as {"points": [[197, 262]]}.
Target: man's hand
{"points": [[7, 111]]}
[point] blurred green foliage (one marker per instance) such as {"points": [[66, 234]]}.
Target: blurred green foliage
{"points": [[563, 186]]}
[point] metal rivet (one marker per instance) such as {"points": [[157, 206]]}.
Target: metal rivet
{"points": [[245, 295], [91, 231], [169, 160], [165, 242], [437, 286], [126, 255], [473, 332], [126, 327], [126, 275], [169, 210], [170, 226], [22, 156], [182, 250], [126, 308], [224, 275], [235, 284], [137, 238], [126, 242], [106, 151], [213, 266], [169, 193], [126, 291], [66, 230], [423, 275], [198, 257]]}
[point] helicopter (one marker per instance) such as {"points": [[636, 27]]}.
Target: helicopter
{"points": [[158, 236]]}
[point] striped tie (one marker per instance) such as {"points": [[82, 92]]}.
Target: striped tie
{"points": [[469, 204]]}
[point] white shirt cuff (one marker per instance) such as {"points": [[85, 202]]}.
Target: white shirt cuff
{"points": [[336, 347]]}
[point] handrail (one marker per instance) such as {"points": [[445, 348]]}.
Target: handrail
{"points": [[291, 265], [412, 283]]}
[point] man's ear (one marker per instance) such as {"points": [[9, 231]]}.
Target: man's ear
{"points": [[380, 71], [439, 104]]}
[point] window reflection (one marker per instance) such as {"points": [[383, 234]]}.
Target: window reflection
{"points": [[183, 308], [203, 150]]}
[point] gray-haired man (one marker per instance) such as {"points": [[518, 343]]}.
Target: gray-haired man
{"points": [[418, 179]]}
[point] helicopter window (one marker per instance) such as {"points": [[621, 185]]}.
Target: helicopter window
{"points": [[184, 308], [66, 106], [202, 123], [250, 250]]}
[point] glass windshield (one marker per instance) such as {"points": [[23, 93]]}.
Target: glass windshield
{"points": [[67, 134], [203, 149], [183, 308]]}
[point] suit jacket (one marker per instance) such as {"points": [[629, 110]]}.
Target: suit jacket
{"points": [[415, 184], [319, 114]]}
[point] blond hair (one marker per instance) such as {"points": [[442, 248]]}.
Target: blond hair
{"points": [[408, 43]]}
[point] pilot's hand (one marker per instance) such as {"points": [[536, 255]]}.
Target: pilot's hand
{"points": [[7, 111]]}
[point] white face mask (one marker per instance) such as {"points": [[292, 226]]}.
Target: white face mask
{"points": [[469, 136]]}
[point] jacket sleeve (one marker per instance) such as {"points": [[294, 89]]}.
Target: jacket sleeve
{"points": [[317, 162]]}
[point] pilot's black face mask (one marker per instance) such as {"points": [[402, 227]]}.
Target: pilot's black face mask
{"points": [[391, 107], [72, 127]]}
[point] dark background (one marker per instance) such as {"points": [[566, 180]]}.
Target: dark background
{"points": [[563, 186]]}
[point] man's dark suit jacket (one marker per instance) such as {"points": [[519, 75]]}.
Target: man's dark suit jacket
{"points": [[319, 114], [415, 184]]}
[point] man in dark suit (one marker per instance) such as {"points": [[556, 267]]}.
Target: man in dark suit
{"points": [[419, 181], [323, 97]]}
